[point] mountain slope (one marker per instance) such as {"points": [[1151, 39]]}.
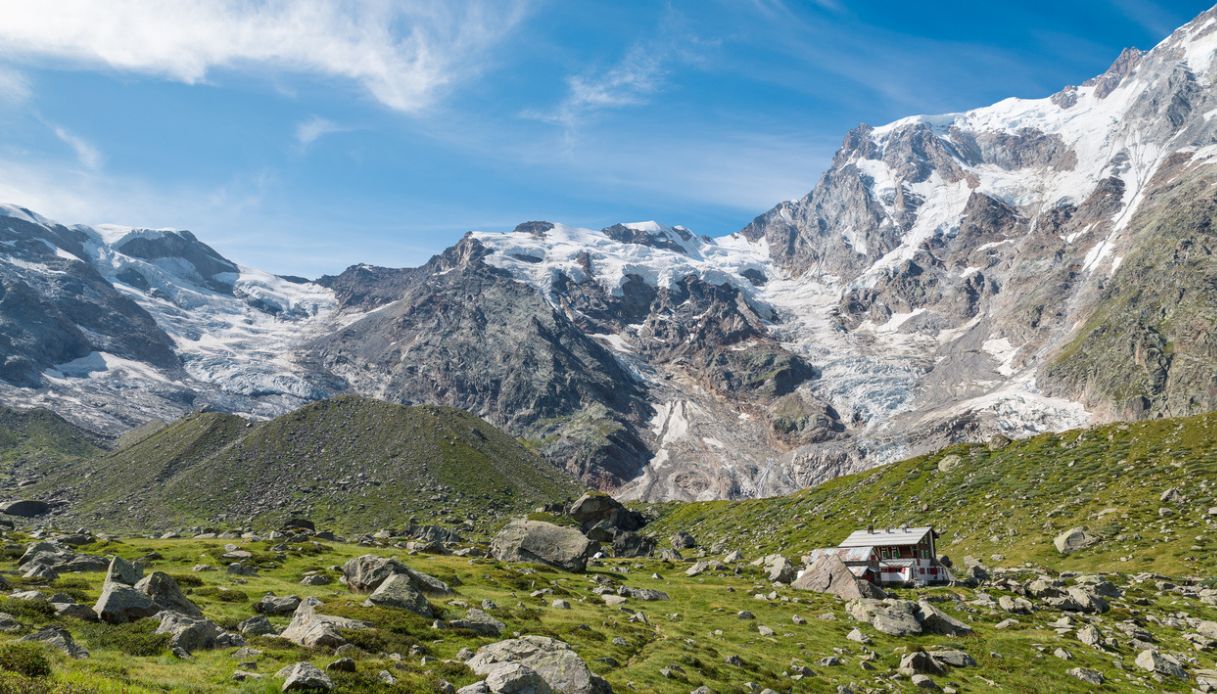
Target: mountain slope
{"points": [[1010, 498], [35, 441], [349, 463], [1030, 266]]}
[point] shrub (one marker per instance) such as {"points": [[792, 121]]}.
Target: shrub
{"points": [[25, 658], [223, 595]]}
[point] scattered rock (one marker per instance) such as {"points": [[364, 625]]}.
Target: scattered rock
{"points": [[303, 677]]}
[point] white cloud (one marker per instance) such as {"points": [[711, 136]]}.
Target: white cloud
{"points": [[403, 54], [315, 128], [88, 155]]}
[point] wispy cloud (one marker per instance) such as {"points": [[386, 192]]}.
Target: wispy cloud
{"points": [[315, 128], [633, 80], [88, 155], [403, 54], [14, 88], [1152, 18], [629, 83]]}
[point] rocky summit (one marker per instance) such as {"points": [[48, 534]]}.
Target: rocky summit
{"points": [[949, 278]]}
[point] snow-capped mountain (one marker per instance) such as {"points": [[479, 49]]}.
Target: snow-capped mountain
{"points": [[113, 326], [1033, 265]]}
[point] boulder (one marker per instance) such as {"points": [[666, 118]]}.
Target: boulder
{"points": [[544, 543], [257, 625], [365, 574], [163, 591], [1163, 664], [561, 668], [890, 616], [919, 663], [779, 569], [479, 622], [304, 677], [628, 544], [949, 463], [120, 603], [935, 621], [593, 509], [25, 508], [190, 634], [516, 678], [311, 629], [398, 591], [830, 575], [1073, 540], [274, 605], [60, 638], [124, 572]]}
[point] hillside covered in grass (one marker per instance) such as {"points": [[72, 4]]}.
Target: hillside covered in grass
{"points": [[1010, 500], [348, 464], [38, 440]]}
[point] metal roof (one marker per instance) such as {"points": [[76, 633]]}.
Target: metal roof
{"points": [[886, 537], [845, 554]]}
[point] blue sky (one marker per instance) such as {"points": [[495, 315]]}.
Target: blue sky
{"points": [[305, 137]]}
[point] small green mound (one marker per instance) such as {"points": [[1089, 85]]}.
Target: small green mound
{"points": [[25, 658]]}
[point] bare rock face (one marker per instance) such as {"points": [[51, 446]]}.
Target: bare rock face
{"points": [[544, 543]]}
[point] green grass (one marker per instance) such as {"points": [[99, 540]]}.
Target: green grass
{"points": [[347, 463], [1011, 501], [689, 636]]}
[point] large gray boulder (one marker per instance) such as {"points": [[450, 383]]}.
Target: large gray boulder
{"points": [[830, 575], [120, 603], [935, 621], [365, 574], [593, 509], [398, 591], [514, 678], [890, 616], [164, 592], [543, 543], [311, 629], [277, 604], [561, 668], [190, 634], [1073, 540]]}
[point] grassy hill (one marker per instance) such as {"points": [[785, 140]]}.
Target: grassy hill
{"points": [[1010, 500], [38, 440], [347, 463]]}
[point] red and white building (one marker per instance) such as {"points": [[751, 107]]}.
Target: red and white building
{"points": [[890, 556]]}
